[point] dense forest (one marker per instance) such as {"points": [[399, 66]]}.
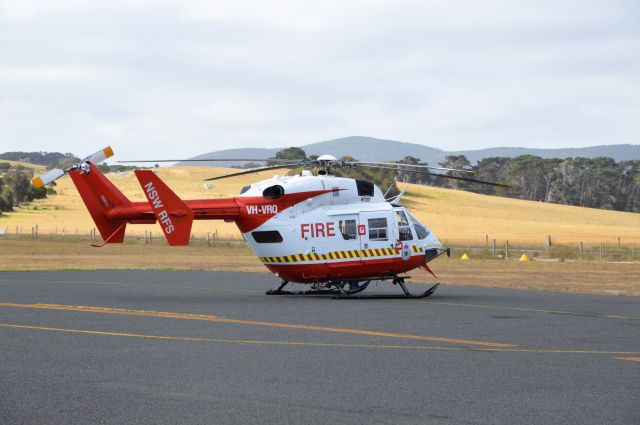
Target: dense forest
{"points": [[586, 182]]}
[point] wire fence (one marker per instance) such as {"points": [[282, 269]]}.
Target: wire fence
{"points": [[613, 249]]}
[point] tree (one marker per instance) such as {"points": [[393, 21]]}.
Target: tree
{"points": [[490, 169], [454, 161], [409, 177], [293, 153], [18, 189]]}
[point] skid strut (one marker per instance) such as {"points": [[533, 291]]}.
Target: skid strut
{"points": [[348, 290], [353, 288], [400, 282]]}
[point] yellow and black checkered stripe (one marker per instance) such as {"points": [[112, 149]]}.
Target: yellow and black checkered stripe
{"points": [[335, 255]]}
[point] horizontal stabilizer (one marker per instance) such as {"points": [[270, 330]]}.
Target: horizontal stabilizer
{"points": [[174, 216]]}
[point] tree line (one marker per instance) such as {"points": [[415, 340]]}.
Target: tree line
{"points": [[587, 182]]}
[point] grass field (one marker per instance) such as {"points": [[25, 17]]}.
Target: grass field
{"points": [[585, 277], [455, 216], [24, 164]]}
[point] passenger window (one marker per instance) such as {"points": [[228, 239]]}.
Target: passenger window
{"points": [[378, 229], [269, 236], [348, 229], [404, 231]]}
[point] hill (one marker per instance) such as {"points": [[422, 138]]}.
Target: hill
{"points": [[39, 158], [372, 149], [23, 164], [455, 216]]}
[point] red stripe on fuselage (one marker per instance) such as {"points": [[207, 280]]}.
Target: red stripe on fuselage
{"points": [[256, 210], [234, 209], [354, 269]]}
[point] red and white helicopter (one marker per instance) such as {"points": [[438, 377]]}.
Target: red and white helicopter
{"points": [[335, 234]]}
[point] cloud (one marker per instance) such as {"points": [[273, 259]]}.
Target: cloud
{"points": [[181, 78]]}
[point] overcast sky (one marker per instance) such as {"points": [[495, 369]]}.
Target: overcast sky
{"points": [[175, 79]]}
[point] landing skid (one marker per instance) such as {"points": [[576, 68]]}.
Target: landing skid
{"points": [[349, 289], [353, 288], [406, 296]]}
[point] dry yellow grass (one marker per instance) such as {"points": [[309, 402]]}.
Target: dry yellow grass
{"points": [[455, 216], [24, 164], [65, 210]]}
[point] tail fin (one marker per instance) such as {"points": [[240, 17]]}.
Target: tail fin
{"points": [[174, 216], [100, 197]]}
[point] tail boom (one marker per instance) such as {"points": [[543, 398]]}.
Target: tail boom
{"points": [[111, 210]]}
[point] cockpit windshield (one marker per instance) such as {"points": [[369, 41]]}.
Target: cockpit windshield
{"points": [[421, 231]]}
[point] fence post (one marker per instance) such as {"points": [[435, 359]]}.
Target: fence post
{"points": [[507, 250], [150, 237], [548, 241], [619, 244], [601, 250], [494, 247], [581, 249], [486, 241]]}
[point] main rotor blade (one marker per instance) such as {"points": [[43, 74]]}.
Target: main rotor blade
{"points": [[254, 170], [279, 160], [415, 166], [467, 179]]}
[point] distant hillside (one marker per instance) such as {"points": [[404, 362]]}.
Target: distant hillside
{"points": [[371, 149], [39, 158]]}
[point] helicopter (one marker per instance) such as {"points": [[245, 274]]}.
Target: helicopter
{"points": [[334, 234]]}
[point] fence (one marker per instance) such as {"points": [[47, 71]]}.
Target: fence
{"points": [[92, 236], [506, 249], [488, 247]]}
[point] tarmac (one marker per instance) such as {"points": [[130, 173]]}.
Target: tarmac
{"points": [[114, 347]]}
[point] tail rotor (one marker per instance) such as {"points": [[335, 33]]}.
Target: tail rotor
{"points": [[54, 174]]}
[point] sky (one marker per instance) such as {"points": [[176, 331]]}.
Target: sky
{"points": [[173, 79]]}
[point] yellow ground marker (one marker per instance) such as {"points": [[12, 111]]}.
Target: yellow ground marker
{"points": [[464, 256], [524, 258], [218, 319]]}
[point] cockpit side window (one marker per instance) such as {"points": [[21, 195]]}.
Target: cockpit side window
{"points": [[421, 231], [404, 230]]}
